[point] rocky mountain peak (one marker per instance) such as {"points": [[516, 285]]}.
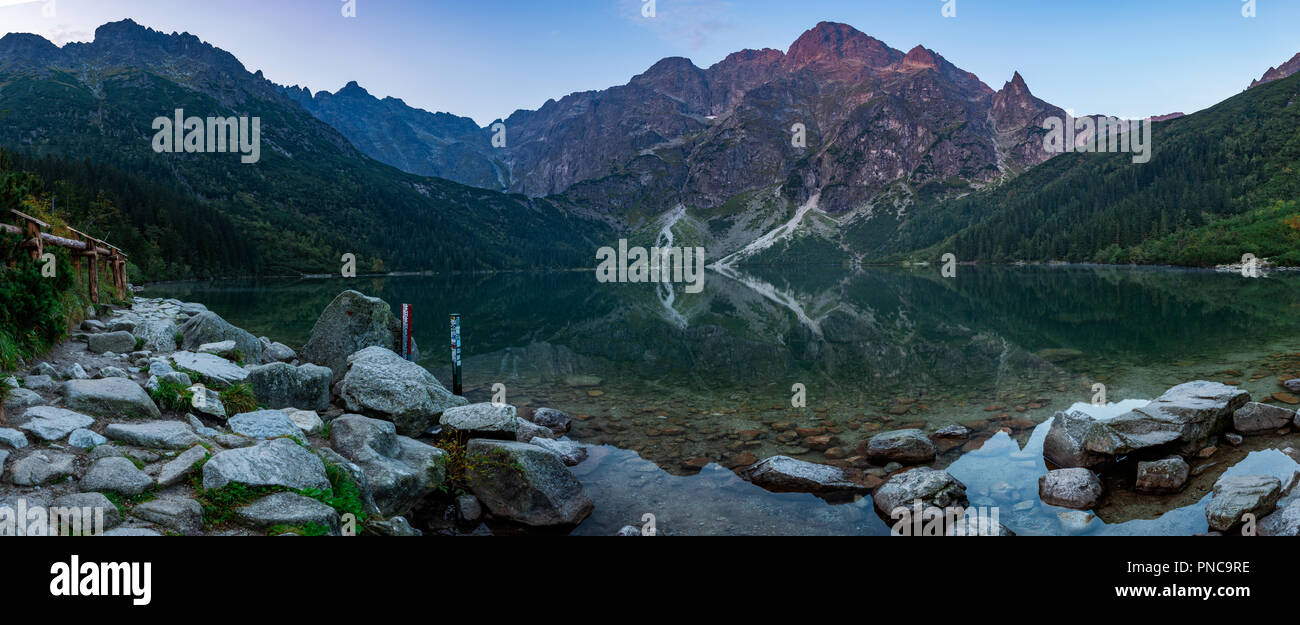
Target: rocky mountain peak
{"points": [[1277, 73], [920, 58], [835, 44]]}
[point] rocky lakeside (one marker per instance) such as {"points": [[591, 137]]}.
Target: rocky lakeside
{"points": [[177, 422]]}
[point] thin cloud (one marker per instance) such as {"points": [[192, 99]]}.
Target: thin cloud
{"points": [[687, 23]]}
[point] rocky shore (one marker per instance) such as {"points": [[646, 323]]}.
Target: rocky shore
{"points": [[173, 421], [177, 422]]}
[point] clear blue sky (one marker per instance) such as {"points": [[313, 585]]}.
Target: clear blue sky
{"points": [[487, 58]]}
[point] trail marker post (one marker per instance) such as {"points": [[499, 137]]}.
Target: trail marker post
{"points": [[455, 355], [406, 331]]}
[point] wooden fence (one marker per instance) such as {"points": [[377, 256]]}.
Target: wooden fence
{"points": [[101, 256]]}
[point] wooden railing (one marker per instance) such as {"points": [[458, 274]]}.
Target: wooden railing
{"points": [[100, 254]]}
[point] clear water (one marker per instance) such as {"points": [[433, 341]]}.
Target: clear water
{"points": [[709, 377]]}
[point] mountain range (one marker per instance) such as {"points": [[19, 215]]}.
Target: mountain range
{"points": [[838, 149]]}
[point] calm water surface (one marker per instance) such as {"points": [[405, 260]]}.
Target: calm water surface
{"points": [[662, 388]]}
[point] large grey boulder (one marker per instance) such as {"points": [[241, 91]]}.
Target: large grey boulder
{"points": [[349, 324], [116, 342], [42, 467], [159, 335], [1183, 418], [277, 462], [85, 439], [39, 382], [154, 434], [1257, 418], [1238, 495], [1065, 446], [53, 424], [1076, 488], [290, 509], [277, 352], [18, 401], [931, 487], [381, 384], [217, 372], [526, 484], [399, 471], [783, 474], [901, 446], [181, 514], [109, 397], [116, 474], [1162, 476], [265, 424], [281, 385], [489, 420], [13, 438], [208, 327]]}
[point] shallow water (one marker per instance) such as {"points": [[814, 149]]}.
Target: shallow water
{"points": [[710, 381]]}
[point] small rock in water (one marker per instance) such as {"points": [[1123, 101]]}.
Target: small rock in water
{"points": [[1076, 488], [1162, 476]]}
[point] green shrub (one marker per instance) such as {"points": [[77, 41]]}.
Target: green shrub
{"points": [[239, 399], [171, 396]]}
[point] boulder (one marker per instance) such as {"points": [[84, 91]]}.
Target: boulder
{"points": [[205, 400], [159, 335], [91, 506], [469, 508], [225, 349], [208, 327], [930, 487], [570, 453], [526, 484], [782, 474], [1183, 418], [1162, 476], [75, 371], [109, 397], [277, 462], [111, 372], [290, 509], [39, 382], [306, 420], [181, 466], [44, 369], [1285, 521], [265, 424], [53, 424], [280, 385], [42, 467], [4, 456], [399, 471], [217, 372], [557, 421], [92, 325], [85, 439], [116, 342], [1076, 488], [396, 526], [153, 434], [381, 384], [1257, 418], [349, 324], [901, 446], [358, 477], [18, 401], [116, 474], [1065, 444], [1238, 495], [12, 438], [489, 420], [279, 352], [180, 514]]}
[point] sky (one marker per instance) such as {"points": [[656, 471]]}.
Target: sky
{"points": [[487, 58]]}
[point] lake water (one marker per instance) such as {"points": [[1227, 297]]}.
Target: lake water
{"points": [[674, 395]]}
